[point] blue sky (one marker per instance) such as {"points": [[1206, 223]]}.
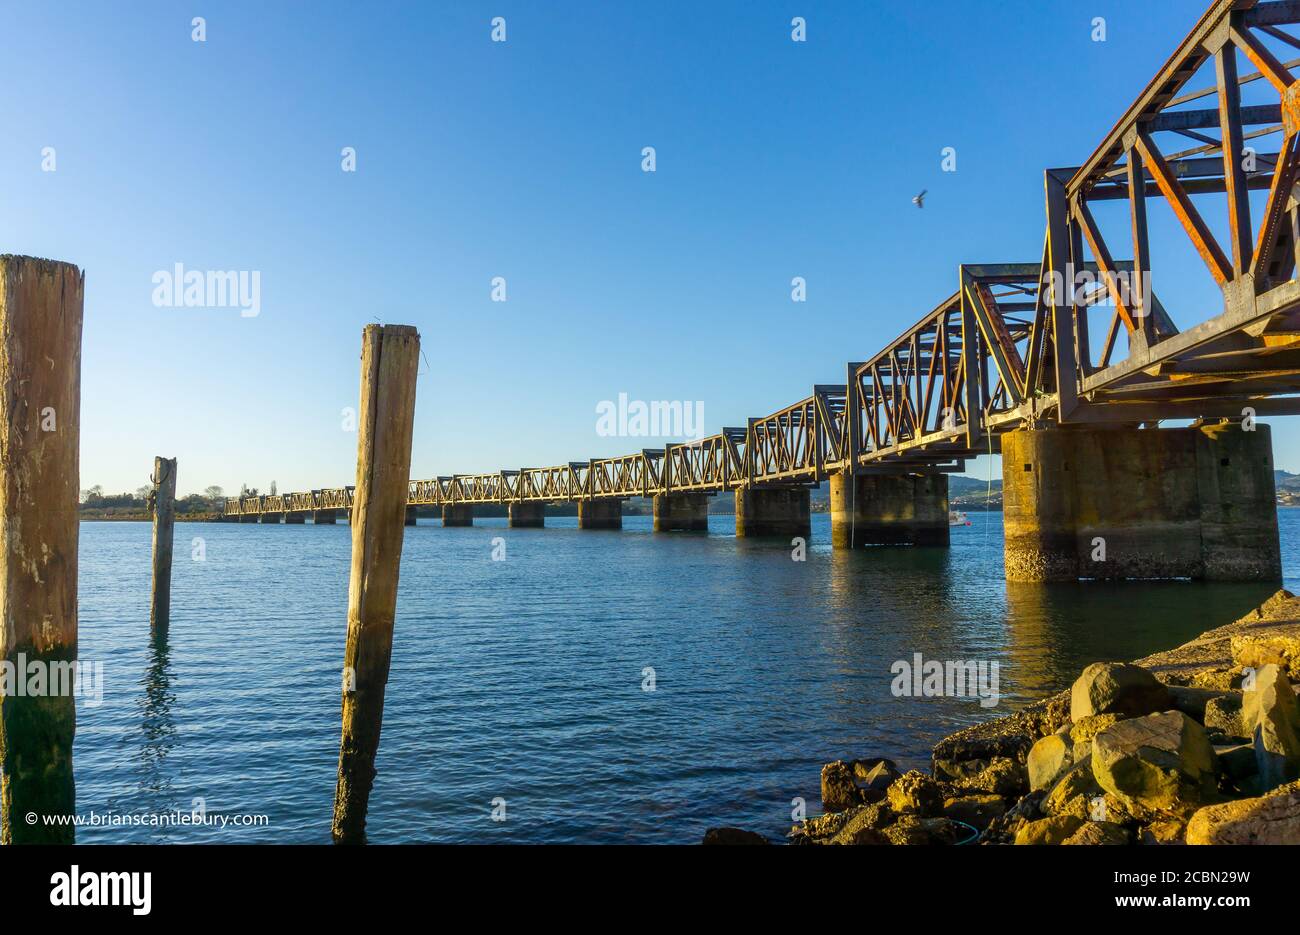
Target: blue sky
{"points": [[522, 160]]}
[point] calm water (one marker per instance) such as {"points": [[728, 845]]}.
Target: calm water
{"points": [[523, 679]]}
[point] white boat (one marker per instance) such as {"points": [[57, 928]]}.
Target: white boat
{"points": [[957, 518]]}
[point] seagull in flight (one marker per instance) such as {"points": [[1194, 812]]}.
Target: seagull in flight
{"points": [[919, 200]]}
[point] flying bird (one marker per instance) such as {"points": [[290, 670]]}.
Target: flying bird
{"points": [[919, 200]]}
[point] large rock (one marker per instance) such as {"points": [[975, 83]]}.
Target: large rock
{"points": [[1270, 819], [865, 826], [1116, 688], [1000, 775], [1161, 762], [733, 836], [1236, 760], [820, 829], [911, 829], [1223, 714], [978, 811], [915, 793], [1081, 734], [973, 750], [1192, 701], [874, 776], [1280, 646], [839, 791], [1099, 832], [1049, 757], [1073, 793], [1048, 830], [1271, 714], [1164, 832]]}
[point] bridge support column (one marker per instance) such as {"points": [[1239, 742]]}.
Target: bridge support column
{"points": [[458, 514], [527, 515], [270, 517], [249, 517], [600, 514], [295, 519], [1193, 502], [410, 516], [878, 509], [324, 517], [681, 512], [773, 511]]}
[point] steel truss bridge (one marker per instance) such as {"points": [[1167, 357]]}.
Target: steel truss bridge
{"points": [[1026, 343]]}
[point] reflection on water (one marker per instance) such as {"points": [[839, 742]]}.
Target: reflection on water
{"points": [[524, 678], [1055, 629]]}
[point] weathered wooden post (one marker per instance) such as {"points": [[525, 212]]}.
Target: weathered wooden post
{"points": [[164, 520], [389, 361], [40, 425]]}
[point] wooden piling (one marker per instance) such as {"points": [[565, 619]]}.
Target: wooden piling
{"points": [[389, 361], [164, 520], [40, 415]]}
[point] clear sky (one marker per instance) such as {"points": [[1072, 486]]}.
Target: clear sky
{"points": [[523, 160]]}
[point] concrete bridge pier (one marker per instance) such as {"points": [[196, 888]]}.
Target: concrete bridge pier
{"points": [[270, 517], [295, 519], [324, 517], [248, 517], [410, 516], [773, 511], [681, 512], [458, 514], [880, 509], [600, 514], [527, 515], [1195, 502]]}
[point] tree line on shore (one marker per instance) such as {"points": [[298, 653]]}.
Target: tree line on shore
{"points": [[96, 504]]}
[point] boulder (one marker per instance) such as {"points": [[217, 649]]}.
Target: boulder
{"points": [[1223, 714], [1000, 775], [1192, 701], [978, 811], [1116, 688], [1270, 712], [733, 836], [912, 829], [865, 826], [1049, 757], [874, 775], [820, 829], [1280, 647], [1269, 819], [1161, 762], [1236, 760], [1087, 728], [1099, 832], [839, 791], [1003, 830], [1073, 793], [1222, 679], [1048, 830], [915, 793], [972, 750], [1165, 831]]}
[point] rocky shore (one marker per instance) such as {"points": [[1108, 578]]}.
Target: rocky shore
{"points": [[1197, 745]]}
